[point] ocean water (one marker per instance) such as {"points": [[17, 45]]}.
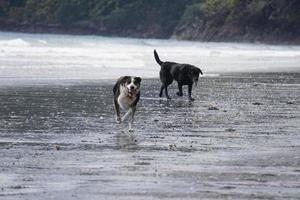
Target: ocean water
{"points": [[49, 56]]}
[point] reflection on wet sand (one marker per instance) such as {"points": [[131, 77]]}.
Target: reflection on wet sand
{"points": [[239, 139], [126, 141]]}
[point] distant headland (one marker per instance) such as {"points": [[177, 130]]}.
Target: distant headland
{"points": [[272, 21]]}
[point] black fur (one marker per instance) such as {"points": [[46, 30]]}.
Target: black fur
{"points": [[184, 74]]}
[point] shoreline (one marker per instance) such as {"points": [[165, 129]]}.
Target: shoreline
{"points": [[31, 81], [83, 31]]}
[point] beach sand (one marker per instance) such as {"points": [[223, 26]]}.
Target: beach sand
{"points": [[239, 140]]}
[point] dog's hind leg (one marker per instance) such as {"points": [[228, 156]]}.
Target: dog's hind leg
{"points": [[190, 87], [179, 93], [166, 92], [161, 90]]}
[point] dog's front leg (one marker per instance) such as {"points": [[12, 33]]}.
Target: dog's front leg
{"points": [[117, 108], [131, 120], [126, 114], [190, 87], [179, 93]]}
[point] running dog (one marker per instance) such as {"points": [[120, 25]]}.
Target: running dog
{"points": [[184, 74], [126, 96]]}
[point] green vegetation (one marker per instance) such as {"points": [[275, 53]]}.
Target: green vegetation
{"points": [[186, 19], [235, 20]]}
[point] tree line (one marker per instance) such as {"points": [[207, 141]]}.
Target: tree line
{"points": [[187, 19]]}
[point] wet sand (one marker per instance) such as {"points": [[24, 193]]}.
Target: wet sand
{"points": [[239, 140]]}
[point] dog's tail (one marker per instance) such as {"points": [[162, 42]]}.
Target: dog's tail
{"points": [[157, 58], [201, 72]]}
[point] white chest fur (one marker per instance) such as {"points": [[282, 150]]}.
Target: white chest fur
{"points": [[124, 100]]}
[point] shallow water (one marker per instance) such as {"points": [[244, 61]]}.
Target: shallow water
{"points": [[238, 140], [46, 56]]}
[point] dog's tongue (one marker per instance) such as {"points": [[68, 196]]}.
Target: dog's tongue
{"points": [[130, 93]]}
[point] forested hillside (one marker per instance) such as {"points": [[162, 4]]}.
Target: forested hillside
{"points": [[207, 20], [241, 20]]}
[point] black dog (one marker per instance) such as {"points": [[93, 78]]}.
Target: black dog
{"points": [[126, 96], [184, 74]]}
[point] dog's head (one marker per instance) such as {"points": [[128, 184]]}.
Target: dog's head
{"points": [[194, 73], [132, 85]]}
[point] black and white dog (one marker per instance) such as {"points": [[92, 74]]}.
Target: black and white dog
{"points": [[126, 96], [184, 74]]}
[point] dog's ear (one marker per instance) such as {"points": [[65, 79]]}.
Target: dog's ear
{"points": [[138, 79], [124, 79]]}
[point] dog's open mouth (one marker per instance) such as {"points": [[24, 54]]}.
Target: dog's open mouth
{"points": [[130, 92]]}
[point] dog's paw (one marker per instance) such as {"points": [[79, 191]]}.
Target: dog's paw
{"points": [[119, 120], [179, 94], [191, 99]]}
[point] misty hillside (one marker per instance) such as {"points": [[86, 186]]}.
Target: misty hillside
{"points": [[205, 20]]}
